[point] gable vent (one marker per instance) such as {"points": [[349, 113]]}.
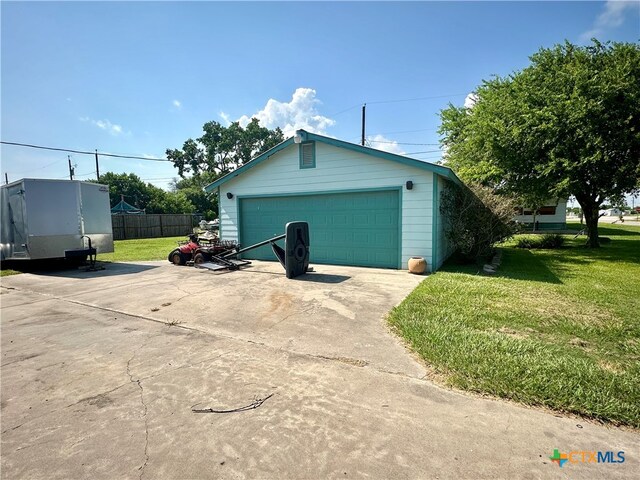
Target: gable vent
{"points": [[307, 155]]}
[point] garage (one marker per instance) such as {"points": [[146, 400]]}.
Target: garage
{"points": [[347, 228], [365, 207]]}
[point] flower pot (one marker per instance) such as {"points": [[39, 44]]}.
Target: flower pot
{"points": [[417, 265]]}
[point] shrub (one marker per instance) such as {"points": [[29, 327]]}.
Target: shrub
{"points": [[476, 218], [527, 242], [546, 241], [551, 240]]}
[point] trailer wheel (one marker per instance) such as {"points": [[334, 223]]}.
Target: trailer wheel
{"points": [[199, 259], [177, 258]]}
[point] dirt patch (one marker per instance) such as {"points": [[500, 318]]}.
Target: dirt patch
{"points": [[280, 302], [512, 333], [610, 367], [350, 361], [578, 342], [552, 306], [99, 401]]}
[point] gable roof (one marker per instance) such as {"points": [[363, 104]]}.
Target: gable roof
{"points": [[123, 207], [305, 136]]}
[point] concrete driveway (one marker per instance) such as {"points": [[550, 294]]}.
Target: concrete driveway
{"points": [[102, 372]]}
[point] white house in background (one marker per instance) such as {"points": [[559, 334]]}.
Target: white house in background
{"points": [[365, 207], [552, 216], [611, 212]]}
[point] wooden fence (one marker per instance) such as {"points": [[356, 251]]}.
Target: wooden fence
{"points": [[152, 225]]}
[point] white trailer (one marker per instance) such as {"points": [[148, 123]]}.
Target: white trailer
{"points": [[54, 219]]}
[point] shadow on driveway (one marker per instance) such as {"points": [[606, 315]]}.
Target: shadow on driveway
{"points": [[61, 268]]}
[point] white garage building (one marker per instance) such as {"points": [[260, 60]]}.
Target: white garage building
{"points": [[365, 207]]}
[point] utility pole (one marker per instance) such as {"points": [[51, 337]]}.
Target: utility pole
{"points": [[97, 168], [364, 108], [70, 168]]}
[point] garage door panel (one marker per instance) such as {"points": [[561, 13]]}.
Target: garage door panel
{"points": [[345, 229]]}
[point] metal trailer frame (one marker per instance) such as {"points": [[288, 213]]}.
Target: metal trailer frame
{"points": [[44, 219], [294, 257]]}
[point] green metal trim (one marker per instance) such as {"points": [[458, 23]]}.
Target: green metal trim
{"points": [[219, 214], [548, 226], [306, 137], [321, 192], [400, 222], [434, 225], [313, 165], [256, 161]]}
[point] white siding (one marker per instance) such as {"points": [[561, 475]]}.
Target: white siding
{"points": [[559, 217], [337, 169]]}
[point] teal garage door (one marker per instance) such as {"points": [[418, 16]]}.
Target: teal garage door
{"points": [[359, 228]]}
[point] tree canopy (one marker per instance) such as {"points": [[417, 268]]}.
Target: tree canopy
{"points": [[222, 149], [144, 195], [193, 189], [568, 124]]}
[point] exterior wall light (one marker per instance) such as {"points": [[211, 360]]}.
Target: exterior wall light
{"points": [[409, 185], [229, 195]]}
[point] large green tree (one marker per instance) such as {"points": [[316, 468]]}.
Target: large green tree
{"points": [[144, 195], [222, 149], [568, 124], [193, 189]]}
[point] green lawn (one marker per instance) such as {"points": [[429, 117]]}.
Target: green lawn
{"points": [[5, 272], [558, 328], [142, 249]]}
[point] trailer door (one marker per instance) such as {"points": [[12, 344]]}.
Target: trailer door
{"points": [[17, 218]]}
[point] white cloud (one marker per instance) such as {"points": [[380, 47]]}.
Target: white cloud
{"points": [[177, 104], [225, 117], [300, 112], [613, 16], [470, 100], [113, 128], [380, 142]]}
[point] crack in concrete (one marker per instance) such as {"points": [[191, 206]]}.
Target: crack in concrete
{"points": [[218, 335], [291, 315], [144, 406]]}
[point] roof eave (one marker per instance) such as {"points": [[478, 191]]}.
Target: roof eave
{"points": [[304, 136]]}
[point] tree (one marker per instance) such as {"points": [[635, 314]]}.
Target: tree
{"points": [[144, 195], [129, 185], [476, 219], [223, 149], [569, 124], [193, 189]]}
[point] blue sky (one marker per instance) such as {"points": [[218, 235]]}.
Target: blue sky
{"points": [[137, 78]]}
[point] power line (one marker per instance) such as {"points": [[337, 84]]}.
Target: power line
{"points": [[345, 110], [402, 143], [427, 151], [416, 99], [81, 152], [407, 131]]}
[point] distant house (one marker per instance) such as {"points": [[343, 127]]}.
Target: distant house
{"points": [[610, 212], [365, 207], [552, 216], [123, 208]]}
